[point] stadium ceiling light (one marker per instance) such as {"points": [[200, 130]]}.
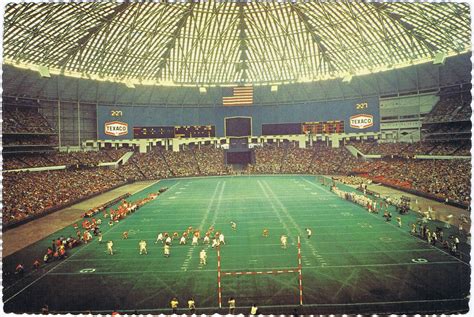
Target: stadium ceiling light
{"points": [[439, 59], [43, 71], [347, 79], [129, 84]]}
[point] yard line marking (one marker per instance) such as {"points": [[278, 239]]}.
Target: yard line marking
{"points": [[191, 199], [269, 272]]}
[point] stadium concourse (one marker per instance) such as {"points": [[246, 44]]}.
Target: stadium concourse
{"points": [[295, 157]]}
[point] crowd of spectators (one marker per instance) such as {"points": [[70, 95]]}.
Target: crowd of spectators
{"points": [[319, 159], [90, 158], [297, 160], [31, 140], [464, 149], [24, 120], [150, 165], [360, 199], [445, 179], [447, 148], [210, 161], [452, 107], [411, 149], [182, 163], [26, 194], [447, 128], [331, 161], [158, 163], [268, 159], [380, 148], [353, 180]]}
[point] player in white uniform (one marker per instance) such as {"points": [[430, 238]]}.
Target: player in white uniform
{"points": [[221, 238], [166, 250], [142, 247], [195, 240], [168, 241], [215, 242], [283, 240], [110, 244], [202, 257], [206, 239], [182, 240], [309, 232], [233, 225], [159, 238], [399, 220]]}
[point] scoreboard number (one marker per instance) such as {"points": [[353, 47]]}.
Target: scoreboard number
{"points": [[116, 113], [362, 105]]}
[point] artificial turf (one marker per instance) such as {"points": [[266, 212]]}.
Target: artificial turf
{"points": [[355, 262]]}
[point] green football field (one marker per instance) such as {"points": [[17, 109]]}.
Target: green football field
{"points": [[355, 262]]}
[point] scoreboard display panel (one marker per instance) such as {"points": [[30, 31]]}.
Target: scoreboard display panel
{"points": [[153, 132], [238, 126], [195, 131], [326, 127], [281, 128]]}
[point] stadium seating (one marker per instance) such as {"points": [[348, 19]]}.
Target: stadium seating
{"points": [[452, 107], [445, 179], [211, 161], [268, 160], [91, 158], [411, 149], [27, 194], [25, 120]]}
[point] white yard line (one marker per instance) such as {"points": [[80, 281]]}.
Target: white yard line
{"points": [[264, 268]]}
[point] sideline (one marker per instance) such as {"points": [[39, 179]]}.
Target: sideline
{"points": [[75, 253], [36, 230]]}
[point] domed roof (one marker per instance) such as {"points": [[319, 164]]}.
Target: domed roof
{"points": [[225, 43]]}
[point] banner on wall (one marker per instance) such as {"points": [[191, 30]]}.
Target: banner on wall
{"points": [[361, 121], [116, 128]]}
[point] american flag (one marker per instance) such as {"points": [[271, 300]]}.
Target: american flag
{"points": [[242, 96]]}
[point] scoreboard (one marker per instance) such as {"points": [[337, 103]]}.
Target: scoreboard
{"points": [[325, 127], [169, 132], [153, 132], [195, 131]]}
